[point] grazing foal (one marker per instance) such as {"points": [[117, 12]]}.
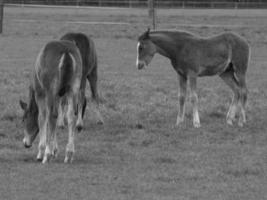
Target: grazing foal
{"points": [[226, 55], [57, 75], [89, 60]]}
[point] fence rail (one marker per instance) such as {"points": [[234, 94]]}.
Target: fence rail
{"points": [[143, 3]]}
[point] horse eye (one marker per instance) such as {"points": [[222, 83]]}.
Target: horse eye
{"points": [[141, 48]]}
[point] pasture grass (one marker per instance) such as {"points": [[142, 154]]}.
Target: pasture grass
{"points": [[138, 153]]}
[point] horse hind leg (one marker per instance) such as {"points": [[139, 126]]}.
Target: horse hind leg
{"points": [[71, 131], [241, 60], [241, 65], [229, 78], [243, 100], [182, 98], [92, 79], [61, 114], [194, 100], [81, 107], [51, 119]]}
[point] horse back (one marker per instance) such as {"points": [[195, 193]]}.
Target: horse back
{"points": [[87, 50]]}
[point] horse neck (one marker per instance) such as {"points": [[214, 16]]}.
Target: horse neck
{"points": [[32, 102], [164, 45]]}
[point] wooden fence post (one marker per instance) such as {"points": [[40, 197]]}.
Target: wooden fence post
{"points": [[1, 15], [152, 12]]}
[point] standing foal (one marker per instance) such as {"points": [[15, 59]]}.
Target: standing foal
{"points": [[57, 75], [87, 50], [226, 55]]}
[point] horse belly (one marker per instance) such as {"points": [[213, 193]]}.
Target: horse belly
{"points": [[211, 69]]}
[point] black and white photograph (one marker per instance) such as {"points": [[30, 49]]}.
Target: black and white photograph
{"points": [[133, 100]]}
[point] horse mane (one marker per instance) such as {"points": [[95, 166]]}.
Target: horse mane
{"points": [[173, 34], [32, 102]]}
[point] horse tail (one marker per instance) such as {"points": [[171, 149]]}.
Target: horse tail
{"points": [[93, 75], [66, 67]]}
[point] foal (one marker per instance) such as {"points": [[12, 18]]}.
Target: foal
{"points": [[87, 50], [57, 75], [226, 55]]}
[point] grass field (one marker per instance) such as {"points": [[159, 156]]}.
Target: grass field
{"points": [[138, 154]]}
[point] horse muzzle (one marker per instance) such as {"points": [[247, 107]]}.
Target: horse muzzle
{"points": [[140, 65], [26, 143]]}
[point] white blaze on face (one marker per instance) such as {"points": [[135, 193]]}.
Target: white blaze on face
{"points": [[137, 48]]}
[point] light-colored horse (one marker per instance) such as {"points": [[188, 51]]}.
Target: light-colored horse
{"points": [[226, 55], [88, 53], [57, 75]]}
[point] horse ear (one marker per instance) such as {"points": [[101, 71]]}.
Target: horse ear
{"points": [[23, 105], [147, 33]]}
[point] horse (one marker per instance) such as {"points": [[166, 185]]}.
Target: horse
{"points": [[226, 55], [57, 75], [87, 50]]}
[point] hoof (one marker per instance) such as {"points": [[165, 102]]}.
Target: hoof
{"points": [[79, 128], [100, 122], [61, 127], [55, 153], [178, 124], [46, 158], [39, 159], [229, 122], [240, 124], [197, 125], [68, 157]]}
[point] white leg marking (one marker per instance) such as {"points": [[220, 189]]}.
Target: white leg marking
{"points": [[181, 99], [181, 111], [41, 145], [196, 121], [47, 154], [194, 100], [137, 49], [242, 116], [231, 114], [71, 130], [42, 129]]}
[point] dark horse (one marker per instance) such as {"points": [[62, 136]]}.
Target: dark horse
{"points": [[89, 61], [226, 55], [57, 75]]}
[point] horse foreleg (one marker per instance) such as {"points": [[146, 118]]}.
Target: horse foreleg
{"points": [[194, 100], [243, 100], [42, 129], [230, 117], [182, 98]]}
